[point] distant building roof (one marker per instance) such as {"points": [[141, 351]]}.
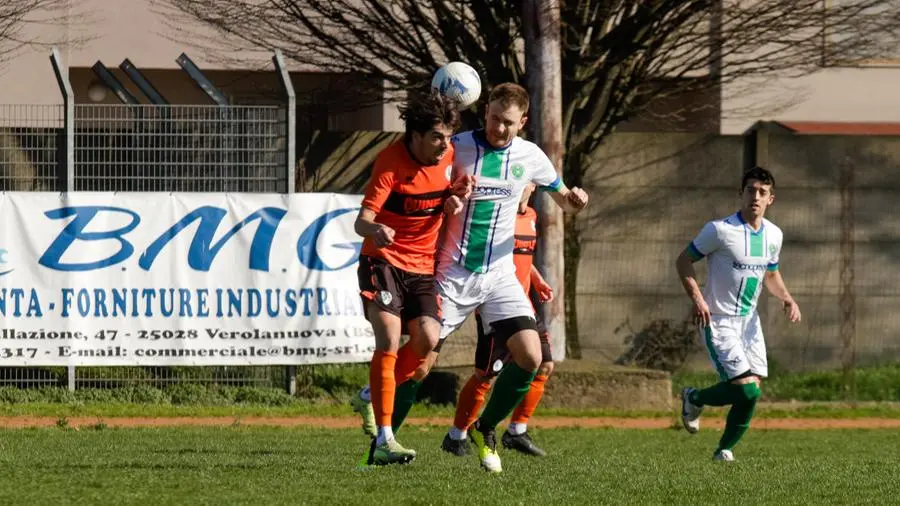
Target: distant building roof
{"points": [[829, 127]]}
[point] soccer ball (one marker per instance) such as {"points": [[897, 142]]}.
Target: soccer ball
{"points": [[458, 80]]}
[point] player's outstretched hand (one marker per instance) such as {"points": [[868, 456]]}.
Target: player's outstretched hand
{"points": [[463, 185], [792, 311], [578, 198], [453, 205], [384, 236], [702, 316]]}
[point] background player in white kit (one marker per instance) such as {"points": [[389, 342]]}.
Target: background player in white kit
{"points": [[475, 268], [742, 252]]}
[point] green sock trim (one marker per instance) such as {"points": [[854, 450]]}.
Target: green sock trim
{"points": [[404, 399], [738, 421], [511, 386]]}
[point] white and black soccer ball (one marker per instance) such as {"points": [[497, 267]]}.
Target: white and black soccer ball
{"points": [[460, 81]]}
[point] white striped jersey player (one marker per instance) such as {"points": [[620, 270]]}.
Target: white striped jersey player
{"points": [[475, 254], [738, 258]]}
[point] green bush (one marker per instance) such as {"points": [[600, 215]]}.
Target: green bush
{"points": [[261, 396], [193, 394]]}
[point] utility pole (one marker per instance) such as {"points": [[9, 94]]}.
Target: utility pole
{"points": [[541, 27]]}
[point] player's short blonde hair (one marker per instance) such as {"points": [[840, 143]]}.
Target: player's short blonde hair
{"points": [[510, 94]]}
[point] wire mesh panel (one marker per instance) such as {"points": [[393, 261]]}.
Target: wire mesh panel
{"points": [[30, 137], [180, 148], [160, 377]]}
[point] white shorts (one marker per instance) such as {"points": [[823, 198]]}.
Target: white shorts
{"points": [[736, 345], [496, 295]]}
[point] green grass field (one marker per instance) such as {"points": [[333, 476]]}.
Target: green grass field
{"points": [[243, 465]]}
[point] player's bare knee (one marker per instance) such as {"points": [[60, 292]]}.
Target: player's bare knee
{"points": [[387, 327], [546, 369], [526, 353], [424, 334], [527, 358]]}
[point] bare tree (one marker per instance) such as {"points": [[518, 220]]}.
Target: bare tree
{"points": [[620, 58], [16, 16]]}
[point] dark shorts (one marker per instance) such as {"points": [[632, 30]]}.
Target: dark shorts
{"points": [[491, 353], [405, 294]]}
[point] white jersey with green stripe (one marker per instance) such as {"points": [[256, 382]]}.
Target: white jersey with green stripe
{"points": [[481, 238], [738, 258]]}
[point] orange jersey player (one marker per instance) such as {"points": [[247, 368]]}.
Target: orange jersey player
{"points": [[400, 219]]}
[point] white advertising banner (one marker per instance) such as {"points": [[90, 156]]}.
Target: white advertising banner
{"points": [[180, 279]]}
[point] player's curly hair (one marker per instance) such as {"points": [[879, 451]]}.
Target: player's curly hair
{"points": [[426, 108]]}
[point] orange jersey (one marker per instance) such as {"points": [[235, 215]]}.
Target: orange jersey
{"points": [[409, 198], [523, 250]]}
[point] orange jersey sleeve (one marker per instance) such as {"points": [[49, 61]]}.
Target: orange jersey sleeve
{"points": [[379, 189]]}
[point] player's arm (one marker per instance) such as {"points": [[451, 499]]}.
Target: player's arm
{"points": [[570, 200], [366, 226], [775, 284], [684, 264], [376, 194], [540, 285], [705, 243]]}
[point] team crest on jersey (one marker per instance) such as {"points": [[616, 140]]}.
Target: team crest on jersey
{"points": [[448, 171], [772, 249], [518, 170], [498, 364]]}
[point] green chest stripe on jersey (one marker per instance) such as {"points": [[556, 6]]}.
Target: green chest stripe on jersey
{"points": [[756, 245], [746, 297], [480, 224]]}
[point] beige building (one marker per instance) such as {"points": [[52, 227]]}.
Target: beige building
{"points": [[110, 31], [118, 29]]}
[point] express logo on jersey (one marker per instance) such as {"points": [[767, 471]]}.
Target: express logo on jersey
{"points": [[491, 189], [749, 267]]}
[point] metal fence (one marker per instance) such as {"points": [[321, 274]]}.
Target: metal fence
{"points": [[129, 147], [29, 147], [180, 148]]}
